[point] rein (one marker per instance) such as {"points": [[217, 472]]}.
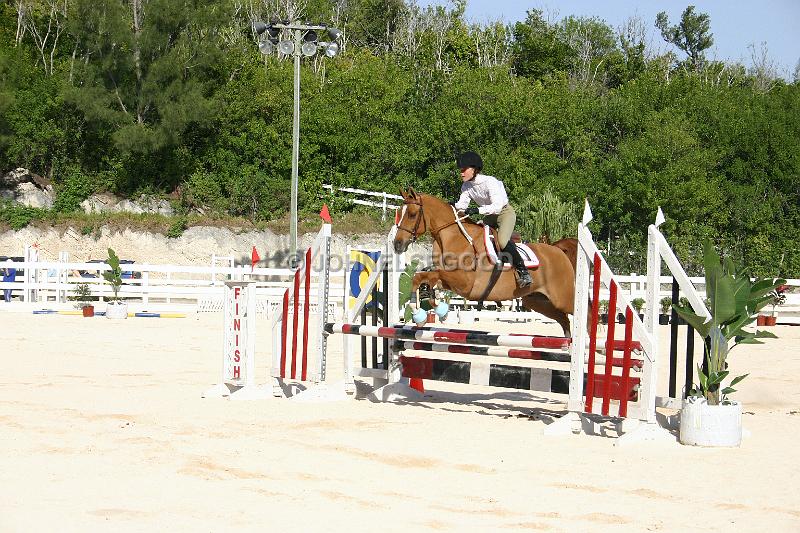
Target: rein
{"points": [[435, 231]]}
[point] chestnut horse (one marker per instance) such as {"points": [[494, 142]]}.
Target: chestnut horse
{"points": [[464, 267]]}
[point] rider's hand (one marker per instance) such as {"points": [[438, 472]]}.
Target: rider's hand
{"points": [[471, 211]]}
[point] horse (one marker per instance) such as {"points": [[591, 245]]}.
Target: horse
{"points": [[570, 247], [465, 268]]}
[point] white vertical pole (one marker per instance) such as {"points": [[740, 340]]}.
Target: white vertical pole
{"points": [[346, 283], [323, 294], [579, 328], [146, 285], [649, 364], [277, 344], [250, 338], [396, 265], [62, 273]]}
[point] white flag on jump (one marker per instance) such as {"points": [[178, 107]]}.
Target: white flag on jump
{"points": [[587, 213]]}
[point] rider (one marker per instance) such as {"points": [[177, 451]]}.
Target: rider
{"points": [[490, 195]]}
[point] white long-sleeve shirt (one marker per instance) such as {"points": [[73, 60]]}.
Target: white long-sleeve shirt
{"points": [[486, 191]]}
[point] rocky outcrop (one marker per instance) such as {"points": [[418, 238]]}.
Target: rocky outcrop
{"points": [[26, 188], [108, 203], [195, 247]]}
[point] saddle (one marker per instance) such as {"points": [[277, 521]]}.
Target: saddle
{"points": [[492, 251]]}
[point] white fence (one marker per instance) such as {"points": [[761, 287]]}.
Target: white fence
{"points": [[383, 204], [54, 282], [42, 282]]}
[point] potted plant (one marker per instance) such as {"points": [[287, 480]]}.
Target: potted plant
{"points": [[638, 304], [709, 417], [666, 305], [603, 305], [116, 308], [82, 295], [778, 298]]}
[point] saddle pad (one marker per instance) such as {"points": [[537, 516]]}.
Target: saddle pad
{"points": [[525, 251]]}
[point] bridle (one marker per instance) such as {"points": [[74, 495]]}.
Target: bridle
{"points": [[434, 231], [420, 216]]}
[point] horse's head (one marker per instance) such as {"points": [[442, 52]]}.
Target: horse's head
{"points": [[412, 221]]}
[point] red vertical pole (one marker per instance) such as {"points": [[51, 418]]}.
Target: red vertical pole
{"points": [[295, 318], [283, 332], [612, 310], [593, 333], [306, 304], [626, 362]]}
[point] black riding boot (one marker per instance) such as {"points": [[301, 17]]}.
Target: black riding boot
{"points": [[523, 276]]}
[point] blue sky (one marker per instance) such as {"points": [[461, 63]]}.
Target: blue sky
{"points": [[734, 23]]}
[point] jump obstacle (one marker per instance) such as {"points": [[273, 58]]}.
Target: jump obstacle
{"points": [[593, 371]]}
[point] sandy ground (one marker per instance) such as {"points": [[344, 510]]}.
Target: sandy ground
{"points": [[102, 428]]}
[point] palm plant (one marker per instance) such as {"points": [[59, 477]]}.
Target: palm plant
{"points": [[113, 276], [734, 301], [545, 215]]}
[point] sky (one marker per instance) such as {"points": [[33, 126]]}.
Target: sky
{"points": [[735, 24]]}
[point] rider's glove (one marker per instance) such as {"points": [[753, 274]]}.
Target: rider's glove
{"points": [[471, 211]]}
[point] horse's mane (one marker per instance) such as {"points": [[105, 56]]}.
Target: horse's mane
{"points": [[446, 206]]}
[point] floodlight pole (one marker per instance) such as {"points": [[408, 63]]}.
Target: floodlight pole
{"points": [[298, 40], [298, 30], [299, 33]]}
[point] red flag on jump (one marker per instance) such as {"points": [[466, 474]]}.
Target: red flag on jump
{"points": [[254, 258], [416, 384], [325, 214]]}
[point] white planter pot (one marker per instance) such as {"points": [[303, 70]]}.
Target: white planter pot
{"points": [[117, 310], [710, 425]]}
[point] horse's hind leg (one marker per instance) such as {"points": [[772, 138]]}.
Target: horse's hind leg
{"points": [[539, 303]]}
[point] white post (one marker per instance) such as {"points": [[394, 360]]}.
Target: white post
{"points": [[346, 283], [146, 285], [649, 370], [323, 290], [62, 278], [277, 344], [579, 328], [238, 344]]}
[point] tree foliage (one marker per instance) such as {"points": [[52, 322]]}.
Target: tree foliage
{"points": [[173, 97]]}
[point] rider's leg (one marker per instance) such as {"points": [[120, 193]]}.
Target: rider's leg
{"points": [[523, 276], [505, 222]]}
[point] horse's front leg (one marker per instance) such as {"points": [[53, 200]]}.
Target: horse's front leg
{"points": [[430, 278]]}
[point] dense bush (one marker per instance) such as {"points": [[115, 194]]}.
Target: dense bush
{"points": [[189, 107]]}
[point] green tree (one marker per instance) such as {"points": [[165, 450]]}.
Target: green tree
{"points": [[146, 70], [691, 35], [537, 48]]}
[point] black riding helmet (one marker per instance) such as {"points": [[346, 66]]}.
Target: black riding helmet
{"points": [[469, 159]]}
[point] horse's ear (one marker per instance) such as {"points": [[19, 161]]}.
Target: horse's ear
{"points": [[412, 193], [403, 193]]}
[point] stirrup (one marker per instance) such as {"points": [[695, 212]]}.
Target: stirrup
{"points": [[523, 279]]}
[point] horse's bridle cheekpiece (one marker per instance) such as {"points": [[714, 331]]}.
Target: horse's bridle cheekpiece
{"points": [[414, 233]]}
